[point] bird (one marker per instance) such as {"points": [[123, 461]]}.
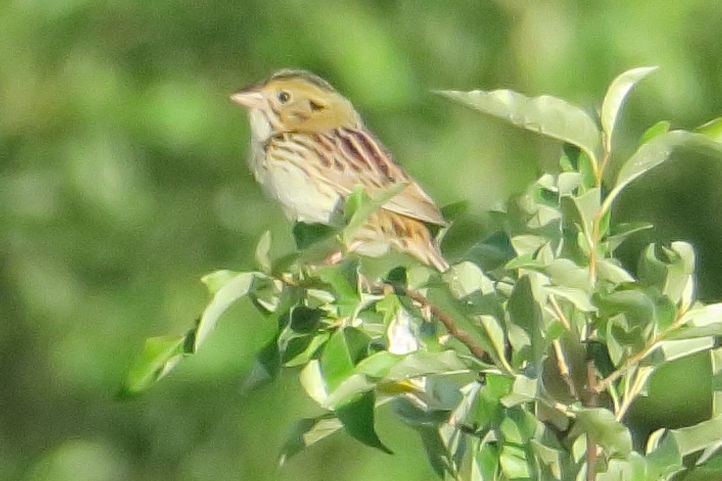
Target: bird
{"points": [[310, 149]]}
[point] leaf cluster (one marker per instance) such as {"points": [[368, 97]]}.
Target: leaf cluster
{"points": [[522, 360]]}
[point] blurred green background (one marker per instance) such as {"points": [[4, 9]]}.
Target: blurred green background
{"points": [[123, 180]]}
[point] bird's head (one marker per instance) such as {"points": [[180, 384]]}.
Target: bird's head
{"points": [[295, 101]]}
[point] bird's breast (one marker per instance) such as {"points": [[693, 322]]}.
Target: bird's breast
{"points": [[302, 195]]}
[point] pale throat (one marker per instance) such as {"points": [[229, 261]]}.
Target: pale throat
{"points": [[261, 129]]}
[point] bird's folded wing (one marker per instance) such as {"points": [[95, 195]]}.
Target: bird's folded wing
{"points": [[349, 157]]}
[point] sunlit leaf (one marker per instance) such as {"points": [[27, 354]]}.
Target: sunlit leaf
{"points": [[307, 432], [551, 457], [217, 279], [610, 271], [546, 115], [233, 289], [465, 278], [633, 468], [160, 355], [426, 363], [263, 249], [616, 94], [661, 127], [699, 322], [657, 151], [513, 462], [599, 424], [671, 350], [712, 129], [495, 334], [312, 381], [566, 273], [359, 206], [698, 437], [578, 297], [716, 365], [350, 389], [587, 205], [523, 390]]}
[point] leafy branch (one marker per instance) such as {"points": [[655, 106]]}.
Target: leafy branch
{"points": [[523, 359]]}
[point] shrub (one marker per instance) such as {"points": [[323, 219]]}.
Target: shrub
{"points": [[523, 359]]}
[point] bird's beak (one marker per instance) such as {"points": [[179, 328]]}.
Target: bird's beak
{"points": [[248, 98]]}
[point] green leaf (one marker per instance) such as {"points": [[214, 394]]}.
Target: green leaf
{"points": [[587, 205], [377, 365], [661, 127], [665, 459], [568, 183], [451, 212], [293, 358], [358, 420], [423, 363], [233, 289], [263, 261], [343, 279], [698, 437], [466, 278], [496, 336], [342, 351], [526, 321], [564, 272], [599, 424], [700, 321], [712, 129], [632, 469], [360, 206], [513, 462], [578, 297], [657, 151], [160, 355], [215, 280], [708, 471], [436, 451], [616, 94], [545, 115], [549, 456], [307, 235], [305, 320], [265, 368], [349, 390], [621, 232], [716, 364], [523, 390], [671, 350], [307, 432], [312, 381], [611, 271], [486, 463]]}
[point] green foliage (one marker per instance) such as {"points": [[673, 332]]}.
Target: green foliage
{"points": [[523, 360]]}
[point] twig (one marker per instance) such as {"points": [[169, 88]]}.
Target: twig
{"points": [[591, 401], [448, 322], [559, 313], [564, 367], [636, 358]]}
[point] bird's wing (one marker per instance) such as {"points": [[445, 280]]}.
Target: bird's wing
{"points": [[347, 157]]}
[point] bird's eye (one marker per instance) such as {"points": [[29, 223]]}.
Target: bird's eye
{"points": [[283, 96]]}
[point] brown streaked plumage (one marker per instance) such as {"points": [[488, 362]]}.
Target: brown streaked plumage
{"points": [[310, 149]]}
